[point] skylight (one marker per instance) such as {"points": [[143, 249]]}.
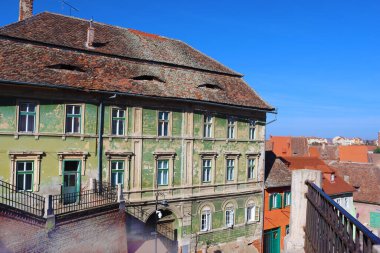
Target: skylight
{"points": [[66, 67], [148, 78], [210, 86]]}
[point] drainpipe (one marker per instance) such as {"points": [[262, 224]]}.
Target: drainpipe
{"points": [[100, 142]]}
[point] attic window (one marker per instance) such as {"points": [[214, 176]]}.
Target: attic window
{"points": [[66, 67], [147, 78], [210, 86]]}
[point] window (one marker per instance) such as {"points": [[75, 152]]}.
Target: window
{"points": [[231, 128], [287, 230], [287, 198], [275, 201], [229, 217], [118, 121], [73, 119], [253, 213], [24, 170], [163, 172], [206, 219], [163, 123], [207, 128], [117, 173], [206, 170], [230, 169], [27, 118], [251, 168], [252, 125]]}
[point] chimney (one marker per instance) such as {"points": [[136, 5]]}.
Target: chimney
{"points": [[26, 9], [90, 35], [346, 178]]}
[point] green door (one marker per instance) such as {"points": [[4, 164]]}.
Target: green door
{"points": [[71, 181], [272, 240]]}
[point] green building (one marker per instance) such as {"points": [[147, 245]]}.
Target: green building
{"points": [[81, 100]]}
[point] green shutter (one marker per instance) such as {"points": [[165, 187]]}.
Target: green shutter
{"points": [[270, 201], [279, 201]]}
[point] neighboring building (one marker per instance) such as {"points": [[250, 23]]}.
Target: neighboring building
{"points": [[339, 140], [83, 100], [332, 184], [276, 202], [324, 152], [365, 178], [288, 146], [316, 141]]}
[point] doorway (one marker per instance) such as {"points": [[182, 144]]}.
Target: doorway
{"points": [[71, 181], [272, 239]]}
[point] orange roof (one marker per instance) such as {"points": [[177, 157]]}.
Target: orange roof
{"points": [[339, 186], [314, 151], [314, 163], [354, 153]]}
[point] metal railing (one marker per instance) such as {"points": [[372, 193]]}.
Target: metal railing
{"points": [[102, 195], [330, 228], [22, 200]]}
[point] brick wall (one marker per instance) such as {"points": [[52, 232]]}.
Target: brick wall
{"points": [[103, 231]]}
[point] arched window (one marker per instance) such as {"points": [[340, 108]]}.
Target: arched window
{"points": [[206, 219], [230, 215]]}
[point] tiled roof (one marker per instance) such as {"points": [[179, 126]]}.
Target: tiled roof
{"points": [[339, 186], [277, 174], [120, 56], [325, 152], [364, 177], [374, 158], [353, 153], [296, 163]]}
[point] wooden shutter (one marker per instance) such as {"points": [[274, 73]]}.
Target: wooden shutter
{"points": [[256, 213], [279, 200], [270, 201]]}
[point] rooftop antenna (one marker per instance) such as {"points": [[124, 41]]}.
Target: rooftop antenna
{"points": [[71, 7]]}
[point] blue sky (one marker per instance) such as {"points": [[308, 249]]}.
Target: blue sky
{"points": [[317, 61]]}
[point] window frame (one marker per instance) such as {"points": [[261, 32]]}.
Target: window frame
{"points": [[118, 119], [287, 198], [231, 128], [161, 123], [230, 169], [206, 212], [27, 114], [163, 169], [118, 172], [252, 169], [275, 201], [229, 215], [73, 116], [252, 130], [24, 173], [209, 168], [208, 126]]}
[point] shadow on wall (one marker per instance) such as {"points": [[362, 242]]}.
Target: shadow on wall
{"points": [[141, 239]]}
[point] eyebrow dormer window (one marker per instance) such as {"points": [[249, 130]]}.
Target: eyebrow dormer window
{"points": [[66, 67], [147, 78], [210, 86]]}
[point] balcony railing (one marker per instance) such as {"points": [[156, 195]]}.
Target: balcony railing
{"points": [[22, 200], [102, 195], [330, 228]]}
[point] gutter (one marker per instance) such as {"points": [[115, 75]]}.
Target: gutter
{"points": [[60, 86], [100, 142]]}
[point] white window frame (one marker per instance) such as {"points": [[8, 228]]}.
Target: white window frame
{"points": [[163, 123], [252, 213], [230, 165], [229, 217], [251, 172], [208, 121], [206, 178], [81, 119], [207, 218], [231, 128], [119, 119], [287, 198], [161, 179], [252, 130]]}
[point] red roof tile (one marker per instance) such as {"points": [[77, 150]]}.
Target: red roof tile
{"points": [[120, 55]]}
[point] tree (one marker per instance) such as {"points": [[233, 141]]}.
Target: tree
{"points": [[377, 150]]}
